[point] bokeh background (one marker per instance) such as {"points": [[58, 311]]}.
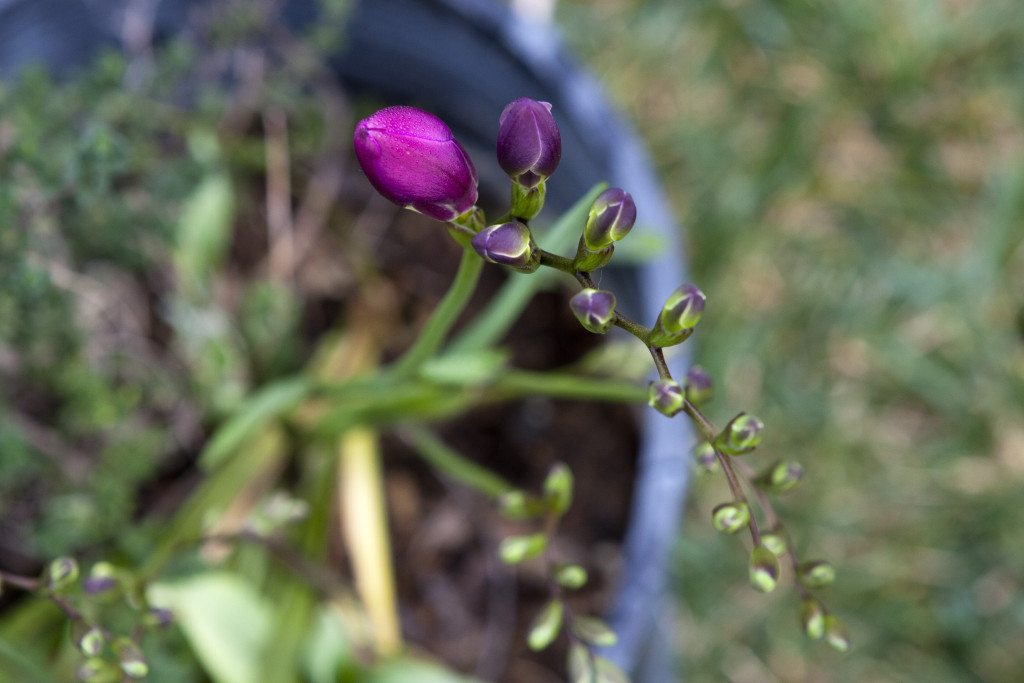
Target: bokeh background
{"points": [[851, 180]]}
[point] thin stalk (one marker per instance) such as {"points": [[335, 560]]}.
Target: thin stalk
{"points": [[446, 460], [565, 385]]}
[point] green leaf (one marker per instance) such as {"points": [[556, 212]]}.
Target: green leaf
{"points": [[516, 549], [204, 232], [546, 625], [558, 488], [409, 670], [224, 619], [465, 369]]}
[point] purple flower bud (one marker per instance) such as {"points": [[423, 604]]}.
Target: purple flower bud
{"points": [[698, 386], [529, 145], [741, 435], [595, 309], [611, 218], [509, 244], [764, 569], [411, 158], [665, 396], [683, 309]]}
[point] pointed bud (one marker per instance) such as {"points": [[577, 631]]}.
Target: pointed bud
{"points": [[782, 476], [545, 626], [571, 576], [516, 549], [595, 309], [740, 436], [678, 317], [730, 518], [705, 457], [774, 541], [412, 158], [529, 145], [594, 631], [764, 569], [558, 488], [61, 573], [665, 396], [698, 386], [836, 633], [816, 574], [611, 217], [812, 618], [130, 658], [509, 244]]}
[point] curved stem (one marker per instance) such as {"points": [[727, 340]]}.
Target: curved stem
{"points": [[444, 318]]}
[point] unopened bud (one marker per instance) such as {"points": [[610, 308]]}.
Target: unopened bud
{"points": [[678, 317], [665, 396], [595, 309], [509, 244], [92, 641], [130, 658], [764, 569], [730, 518], [516, 549], [836, 633], [97, 670], [519, 505], [545, 625], [594, 631], [705, 457], [61, 573], [776, 542], [102, 579], [698, 386], [816, 574], [812, 618], [611, 217], [558, 488], [529, 145], [741, 435], [158, 617], [783, 476], [571, 576]]}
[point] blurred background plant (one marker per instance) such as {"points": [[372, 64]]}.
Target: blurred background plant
{"points": [[851, 177]]}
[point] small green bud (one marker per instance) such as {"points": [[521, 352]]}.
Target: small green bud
{"points": [[665, 396], [158, 617], [558, 488], [816, 574], [527, 202], [61, 573], [836, 633], [741, 435], [545, 626], [518, 504], [812, 618], [611, 217], [705, 457], [594, 631], [580, 664], [91, 642], [782, 476], [595, 309], [130, 658], [698, 386], [764, 569], [775, 542], [730, 518], [96, 670], [571, 576], [683, 309], [516, 549]]}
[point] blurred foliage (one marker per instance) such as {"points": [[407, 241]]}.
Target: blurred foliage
{"points": [[851, 178]]}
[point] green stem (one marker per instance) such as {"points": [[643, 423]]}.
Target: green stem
{"points": [[446, 460], [444, 318], [564, 385]]}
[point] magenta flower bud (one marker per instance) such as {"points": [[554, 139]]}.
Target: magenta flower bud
{"points": [[411, 158], [595, 309], [529, 145], [509, 244], [611, 218]]}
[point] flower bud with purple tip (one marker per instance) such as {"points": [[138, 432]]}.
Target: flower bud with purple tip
{"points": [[412, 158], [529, 145], [678, 317], [665, 396], [611, 217], [509, 244], [595, 309]]}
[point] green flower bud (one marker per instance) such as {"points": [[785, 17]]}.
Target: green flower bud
{"points": [[782, 476], [509, 244], [96, 670], [812, 618], [102, 580], [558, 488], [698, 386], [519, 505], [729, 518], [61, 573], [741, 435], [92, 641], [516, 549], [836, 633], [683, 309], [527, 202], [595, 309], [130, 658], [571, 576], [611, 217], [594, 631], [665, 396], [776, 542], [764, 569], [816, 574], [705, 457], [546, 625]]}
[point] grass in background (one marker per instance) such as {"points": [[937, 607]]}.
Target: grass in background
{"points": [[851, 178]]}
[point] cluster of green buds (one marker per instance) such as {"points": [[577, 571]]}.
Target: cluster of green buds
{"points": [[412, 158]]}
